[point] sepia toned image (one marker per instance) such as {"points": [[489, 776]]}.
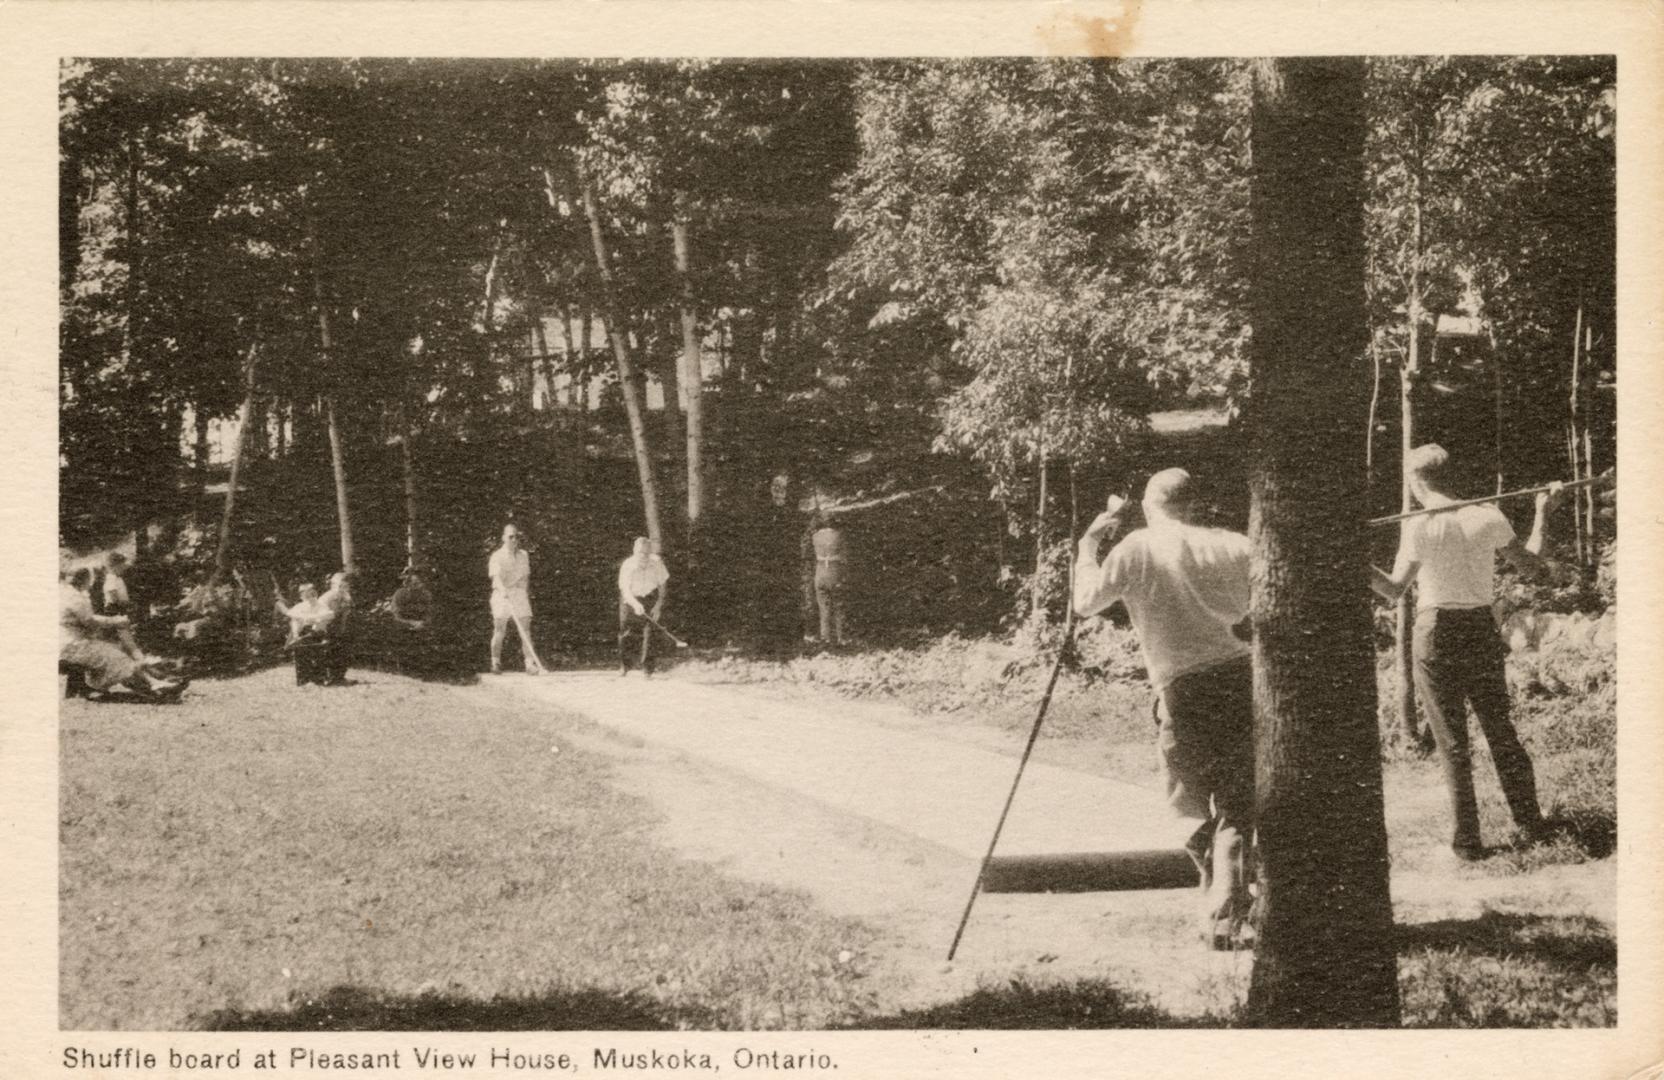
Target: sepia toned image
{"points": [[810, 545]]}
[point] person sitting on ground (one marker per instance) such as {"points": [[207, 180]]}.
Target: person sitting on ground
{"points": [[1186, 589], [341, 626], [84, 643], [1459, 652], [117, 601], [412, 605], [643, 582], [309, 617]]}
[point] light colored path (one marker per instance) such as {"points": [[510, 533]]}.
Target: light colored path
{"points": [[861, 759]]}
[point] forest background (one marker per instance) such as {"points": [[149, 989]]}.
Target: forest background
{"points": [[404, 302]]}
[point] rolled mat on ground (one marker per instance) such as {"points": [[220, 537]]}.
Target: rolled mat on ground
{"points": [[1086, 871]]}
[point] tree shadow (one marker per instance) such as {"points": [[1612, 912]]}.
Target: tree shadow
{"points": [[1595, 834], [1573, 943], [354, 1008], [1018, 1005]]}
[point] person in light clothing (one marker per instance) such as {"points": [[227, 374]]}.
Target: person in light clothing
{"points": [[1459, 653], [643, 582], [84, 644], [510, 569], [1186, 588]]}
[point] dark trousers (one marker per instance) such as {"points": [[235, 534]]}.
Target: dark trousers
{"points": [[830, 600], [1459, 662], [1206, 747], [628, 623]]}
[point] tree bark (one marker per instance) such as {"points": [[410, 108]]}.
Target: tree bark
{"points": [[586, 339], [1571, 429], [1403, 613], [1326, 949], [412, 533], [627, 377], [567, 353], [693, 375], [1035, 597], [337, 455], [222, 552]]}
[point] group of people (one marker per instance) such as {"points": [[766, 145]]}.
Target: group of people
{"points": [[98, 647], [643, 585], [320, 630], [1186, 590]]}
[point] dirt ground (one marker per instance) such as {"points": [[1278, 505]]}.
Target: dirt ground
{"points": [[745, 780]]}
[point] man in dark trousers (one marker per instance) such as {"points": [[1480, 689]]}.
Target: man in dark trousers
{"points": [[1459, 653], [1186, 589], [643, 582]]}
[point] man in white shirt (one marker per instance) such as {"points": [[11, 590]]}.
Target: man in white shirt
{"points": [[309, 614], [1459, 653], [643, 582], [510, 569], [1186, 588]]}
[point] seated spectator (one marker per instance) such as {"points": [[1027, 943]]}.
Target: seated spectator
{"points": [[409, 638], [413, 602], [85, 643], [341, 627], [310, 617], [116, 601]]}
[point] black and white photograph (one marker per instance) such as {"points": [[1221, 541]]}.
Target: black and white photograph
{"points": [[682, 561]]}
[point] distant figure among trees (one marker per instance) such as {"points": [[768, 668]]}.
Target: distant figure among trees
{"points": [[1186, 587], [832, 577], [510, 569], [1459, 652]]}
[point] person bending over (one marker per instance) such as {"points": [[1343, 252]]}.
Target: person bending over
{"points": [[1459, 653], [643, 582], [1186, 589]]}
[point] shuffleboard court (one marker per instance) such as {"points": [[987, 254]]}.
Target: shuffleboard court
{"points": [[847, 759]]}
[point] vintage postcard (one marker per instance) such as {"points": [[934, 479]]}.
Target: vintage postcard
{"points": [[840, 539]]}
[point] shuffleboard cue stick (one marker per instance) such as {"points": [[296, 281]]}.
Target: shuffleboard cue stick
{"points": [[1568, 486], [1115, 502], [680, 644], [1033, 736]]}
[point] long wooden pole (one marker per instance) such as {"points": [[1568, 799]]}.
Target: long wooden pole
{"points": [[1585, 482]]}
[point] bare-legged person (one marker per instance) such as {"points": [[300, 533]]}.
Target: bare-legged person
{"points": [[510, 571]]}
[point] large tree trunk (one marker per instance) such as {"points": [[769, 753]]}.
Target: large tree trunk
{"points": [[1326, 950], [337, 455], [222, 552], [627, 379], [693, 379]]}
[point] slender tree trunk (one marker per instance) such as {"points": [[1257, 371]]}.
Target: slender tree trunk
{"points": [[1326, 950], [412, 530], [693, 375], [587, 338], [627, 379], [222, 552], [1374, 409], [200, 455], [1403, 613], [1498, 410], [1035, 596], [1587, 496], [567, 351], [671, 379], [1571, 429], [489, 301], [337, 455]]}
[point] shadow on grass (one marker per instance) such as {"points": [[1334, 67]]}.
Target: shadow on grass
{"points": [[1595, 834], [1020, 1006], [352, 1008], [1569, 943]]}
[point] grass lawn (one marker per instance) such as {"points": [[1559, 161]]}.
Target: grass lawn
{"points": [[395, 854]]}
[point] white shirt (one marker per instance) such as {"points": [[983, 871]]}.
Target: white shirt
{"points": [[305, 613], [510, 572], [641, 575], [1185, 586], [1457, 552], [115, 591]]}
